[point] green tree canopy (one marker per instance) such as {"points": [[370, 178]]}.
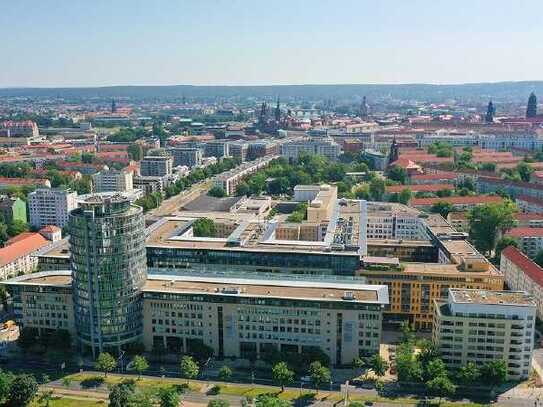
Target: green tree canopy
{"points": [[204, 227], [378, 365], [217, 192], [140, 364], [22, 390], [442, 207], [105, 363], [282, 375], [488, 221], [225, 373], [319, 374], [397, 173], [494, 372], [188, 368], [469, 374]]}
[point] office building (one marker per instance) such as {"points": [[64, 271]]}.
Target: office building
{"points": [[522, 274], [112, 180], [479, 326], [188, 156], [236, 317], [51, 206], [107, 240]]}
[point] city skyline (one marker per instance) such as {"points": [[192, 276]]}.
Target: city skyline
{"points": [[215, 43]]}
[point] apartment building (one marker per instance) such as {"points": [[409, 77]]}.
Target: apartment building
{"points": [[530, 239], [188, 156], [216, 149], [459, 203], [156, 166], [321, 146], [481, 325], [528, 204], [230, 180], [238, 150], [112, 180], [522, 274], [51, 206]]}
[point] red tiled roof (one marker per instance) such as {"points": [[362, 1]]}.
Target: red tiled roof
{"points": [[530, 268], [525, 232], [530, 199], [520, 184], [457, 200], [440, 175], [50, 229], [528, 216], [21, 245], [23, 181], [419, 188]]}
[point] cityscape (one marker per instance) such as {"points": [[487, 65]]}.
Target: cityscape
{"points": [[238, 235]]}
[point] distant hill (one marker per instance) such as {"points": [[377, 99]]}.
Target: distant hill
{"points": [[499, 91]]}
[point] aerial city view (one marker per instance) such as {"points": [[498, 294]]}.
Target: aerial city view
{"points": [[287, 204]]}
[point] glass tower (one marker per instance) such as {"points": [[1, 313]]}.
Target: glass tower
{"points": [[107, 239]]}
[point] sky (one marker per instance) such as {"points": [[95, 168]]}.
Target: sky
{"points": [[51, 43]]}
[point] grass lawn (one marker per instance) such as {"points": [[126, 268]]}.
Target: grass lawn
{"points": [[67, 402], [143, 382]]}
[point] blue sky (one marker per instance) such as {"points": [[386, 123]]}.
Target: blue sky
{"points": [[245, 42]]}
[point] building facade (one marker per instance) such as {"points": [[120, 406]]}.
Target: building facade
{"points": [[107, 239], [156, 166], [51, 206], [188, 156], [479, 326], [112, 180]]}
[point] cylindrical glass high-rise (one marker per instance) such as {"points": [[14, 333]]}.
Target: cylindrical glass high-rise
{"points": [[107, 240]]}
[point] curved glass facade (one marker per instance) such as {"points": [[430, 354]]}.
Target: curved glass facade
{"points": [[107, 239]]}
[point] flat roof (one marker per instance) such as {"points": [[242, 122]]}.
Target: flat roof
{"points": [[55, 278], [308, 290], [469, 296]]}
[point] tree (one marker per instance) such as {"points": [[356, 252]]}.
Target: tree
{"points": [[435, 368], [87, 158], [441, 386], [217, 192], [377, 188], [524, 171], [378, 365], [531, 109], [204, 227], [105, 363], [494, 372], [243, 189], [46, 397], [218, 403], [6, 378], [168, 397], [405, 196], [188, 367], [397, 173], [539, 258], [140, 364], [442, 207], [225, 373], [268, 400], [120, 395], [469, 374], [282, 375], [488, 221], [319, 374], [16, 227], [490, 111], [135, 151], [502, 244], [23, 389]]}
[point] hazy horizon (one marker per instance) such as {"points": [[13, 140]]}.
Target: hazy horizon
{"points": [[62, 43]]}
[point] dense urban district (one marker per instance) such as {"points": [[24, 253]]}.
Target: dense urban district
{"points": [[248, 250]]}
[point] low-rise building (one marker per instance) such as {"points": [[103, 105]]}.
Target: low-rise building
{"points": [[479, 326], [18, 255], [458, 203]]}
